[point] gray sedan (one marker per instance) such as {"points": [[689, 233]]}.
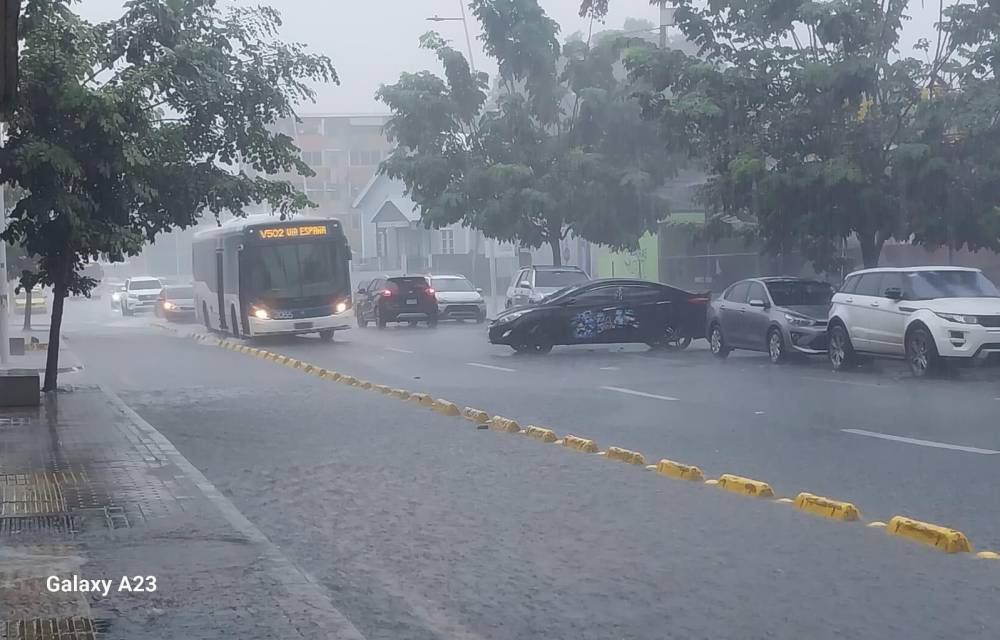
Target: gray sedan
{"points": [[780, 316]]}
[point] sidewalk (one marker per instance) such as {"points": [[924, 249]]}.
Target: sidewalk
{"points": [[33, 360], [91, 490]]}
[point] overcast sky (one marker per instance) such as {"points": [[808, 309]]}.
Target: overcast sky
{"points": [[372, 41]]}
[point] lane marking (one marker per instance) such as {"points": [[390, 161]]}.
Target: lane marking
{"points": [[490, 366], [619, 369], [856, 383], [643, 394], [398, 350], [922, 443]]}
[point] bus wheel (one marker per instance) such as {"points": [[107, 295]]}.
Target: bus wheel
{"points": [[326, 335]]}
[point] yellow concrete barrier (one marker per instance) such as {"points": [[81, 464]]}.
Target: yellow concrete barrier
{"points": [[988, 555], [421, 398], [381, 388], [943, 538], [625, 455], [294, 363], [540, 433], [836, 509], [677, 470], [365, 384], [402, 394], [580, 444], [507, 425], [350, 380], [320, 373], [308, 368], [447, 408], [332, 375], [746, 486]]}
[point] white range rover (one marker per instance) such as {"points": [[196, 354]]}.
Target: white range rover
{"points": [[924, 314]]}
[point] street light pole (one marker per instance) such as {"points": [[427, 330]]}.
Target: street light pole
{"points": [[4, 285]]}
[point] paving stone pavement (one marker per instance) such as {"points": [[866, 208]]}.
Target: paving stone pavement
{"points": [[91, 490]]}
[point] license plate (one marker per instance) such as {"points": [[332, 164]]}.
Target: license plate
{"points": [[411, 301], [303, 325]]}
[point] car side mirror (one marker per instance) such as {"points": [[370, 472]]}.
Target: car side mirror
{"points": [[894, 293], [525, 284], [758, 304], [479, 290]]}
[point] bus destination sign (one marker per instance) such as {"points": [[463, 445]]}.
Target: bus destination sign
{"points": [[301, 231]]}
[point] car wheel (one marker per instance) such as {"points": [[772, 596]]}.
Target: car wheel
{"points": [[379, 319], [921, 353], [326, 335], [508, 304], [776, 346], [520, 348], [717, 342], [125, 310], [840, 350], [670, 341], [432, 321]]}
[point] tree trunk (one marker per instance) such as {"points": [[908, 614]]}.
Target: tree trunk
{"points": [[27, 309], [55, 330], [556, 251], [871, 249]]}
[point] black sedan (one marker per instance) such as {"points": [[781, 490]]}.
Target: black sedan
{"points": [[605, 311]]}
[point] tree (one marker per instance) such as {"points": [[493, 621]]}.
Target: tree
{"points": [[562, 149], [126, 129], [814, 129]]}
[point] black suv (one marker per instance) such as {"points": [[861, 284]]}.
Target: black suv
{"points": [[401, 299]]}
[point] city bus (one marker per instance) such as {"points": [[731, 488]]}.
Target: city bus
{"points": [[261, 276]]}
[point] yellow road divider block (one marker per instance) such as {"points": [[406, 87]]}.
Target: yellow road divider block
{"points": [[943, 538], [402, 394], [746, 486], [507, 425], [320, 373], [680, 471], [420, 397], [294, 363], [836, 509], [364, 384], [540, 433], [283, 359], [625, 455], [351, 380], [475, 415], [447, 408], [988, 555], [381, 388], [876, 525], [332, 375], [580, 444]]}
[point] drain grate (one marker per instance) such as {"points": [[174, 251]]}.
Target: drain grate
{"points": [[14, 421], [51, 629], [116, 518], [62, 524]]}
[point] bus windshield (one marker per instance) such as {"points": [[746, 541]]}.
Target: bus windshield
{"points": [[293, 270]]}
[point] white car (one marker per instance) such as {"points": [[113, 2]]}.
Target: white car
{"points": [[923, 314], [457, 299], [140, 294], [532, 285]]}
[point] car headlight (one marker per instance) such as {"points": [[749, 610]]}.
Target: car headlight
{"points": [[169, 306], [510, 317], [341, 307], [799, 321], [116, 296], [958, 317], [260, 313]]}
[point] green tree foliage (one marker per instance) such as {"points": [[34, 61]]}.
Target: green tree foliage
{"points": [[129, 128], [560, 148], [814, 128]]}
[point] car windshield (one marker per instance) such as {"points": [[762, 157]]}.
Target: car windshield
{"points": [[144, 285], [928, 285], [296, 269], [451, 284], [795, 293], [179, 293], [559, 278]]}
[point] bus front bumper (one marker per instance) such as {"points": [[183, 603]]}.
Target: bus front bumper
{"points": [[336, 322]]}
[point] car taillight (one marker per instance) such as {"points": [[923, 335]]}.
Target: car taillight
{"points": [[699, 300], [386, 292], [430, 290]]}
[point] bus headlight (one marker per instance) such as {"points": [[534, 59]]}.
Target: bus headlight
{"points": [[341, 307], [260, 313]]}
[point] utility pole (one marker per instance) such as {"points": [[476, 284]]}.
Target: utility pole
{"points": [[4, 285], [666, 20]]}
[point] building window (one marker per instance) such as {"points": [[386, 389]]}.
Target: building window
{"points": [[333, 158], [447, 241], [365, 158], [313, 158], [310, 126], [381, 243]]}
